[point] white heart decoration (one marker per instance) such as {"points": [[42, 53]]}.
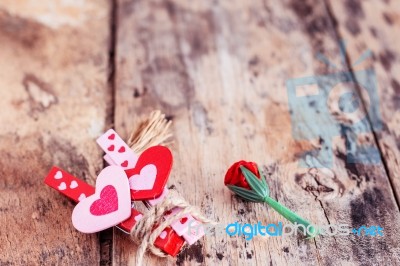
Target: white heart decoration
{"points": [[62, 186], [73, 185], [81, 197], [101, 211], [146, 179], [163, 235], [138, 217], [58, 175]]}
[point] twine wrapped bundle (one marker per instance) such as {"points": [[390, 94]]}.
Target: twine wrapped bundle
{"points": [[152, 131]]}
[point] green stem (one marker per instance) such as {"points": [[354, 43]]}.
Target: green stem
{"points": [[292, 217]]}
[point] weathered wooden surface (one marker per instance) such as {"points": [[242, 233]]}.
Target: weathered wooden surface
{"points": [[375, 26], [55, 100], [218, 70]]}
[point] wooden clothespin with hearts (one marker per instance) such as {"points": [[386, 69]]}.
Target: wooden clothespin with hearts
{"points": [[148, 178], [131, 177], [107, 191], [181, 226]]}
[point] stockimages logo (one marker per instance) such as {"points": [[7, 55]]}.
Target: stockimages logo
{"points": [[284, 230]]}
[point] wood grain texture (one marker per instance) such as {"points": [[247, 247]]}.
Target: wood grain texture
{"points": [[375, 25], [218, 69], [55, 99]]}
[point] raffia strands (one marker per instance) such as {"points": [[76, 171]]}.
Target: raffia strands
{"points": [[152, 131]]}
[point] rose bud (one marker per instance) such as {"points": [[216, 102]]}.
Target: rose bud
{"points": [[246, 180], [235, 177]]}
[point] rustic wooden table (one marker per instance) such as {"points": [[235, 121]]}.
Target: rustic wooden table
{"points": [[72, 69]]}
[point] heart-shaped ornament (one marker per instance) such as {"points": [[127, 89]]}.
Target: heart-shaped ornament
{"points": [[147, 180], [110, 205]]}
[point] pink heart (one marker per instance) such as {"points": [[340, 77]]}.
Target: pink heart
{"points": [[110, 205], [58, 175], [107, 203], [62, 186], [145, 180], [163, 234], [81, 197], [138, 217], [73, 185]]}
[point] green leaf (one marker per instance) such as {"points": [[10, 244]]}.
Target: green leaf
{"points": [[246, 194], [264, 181], [255, 183]]}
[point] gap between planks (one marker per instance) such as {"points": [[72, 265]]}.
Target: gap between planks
{"points": [[358, 90], [106, 237]]}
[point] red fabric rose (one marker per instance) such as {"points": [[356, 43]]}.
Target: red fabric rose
{"points": [[235, 177]]}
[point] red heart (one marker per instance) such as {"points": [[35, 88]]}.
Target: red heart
{"points": [[161, 158], [122, 149], [183, 220], [107, 203], [124, 164], [112, 136], [111, 148]]}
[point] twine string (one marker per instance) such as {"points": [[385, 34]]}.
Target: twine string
{"points": [[152, 131], [143, 232]]}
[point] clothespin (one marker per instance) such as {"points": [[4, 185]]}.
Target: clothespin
{"points": [[78, 190], [148, 177]]}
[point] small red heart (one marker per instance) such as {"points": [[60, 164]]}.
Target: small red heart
{"points": [[122, 149], [124, 164], [183, 220], [107, 203], [112, 136], [111, 148]]}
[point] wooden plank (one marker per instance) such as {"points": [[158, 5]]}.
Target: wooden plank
{"points": [[374, 25], [218, 69], [54, 96]]}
